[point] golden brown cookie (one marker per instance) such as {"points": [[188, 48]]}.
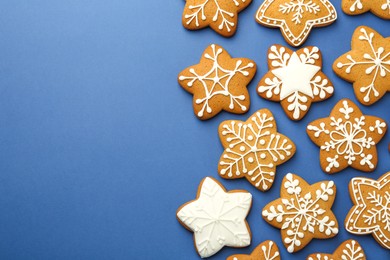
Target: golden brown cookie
{"points": [[253, 149], [367, 65], [267, 250], [296, 18], [349, 250], [218, 83], [380, 8], [295, 80], [220, 15], [347, 138], [371, 211], [217, 217]]}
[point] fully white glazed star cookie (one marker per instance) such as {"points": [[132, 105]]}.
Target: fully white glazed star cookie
{"points": [[217, 217]]}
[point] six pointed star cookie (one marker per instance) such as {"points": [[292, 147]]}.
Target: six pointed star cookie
{"points": [[347, 138], [218, 83], [303, 212], [295, 79], [267, 250], [253, 149], [371, 211], [217, 217], [367, 65], [380, 8], [296, 18], [349, 250], [220, 15]]}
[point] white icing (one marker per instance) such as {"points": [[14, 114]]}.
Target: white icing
{"points": [[357, 5], [372, 207], [217, 218], [351, 250], [267, 250], [300, 8], [300, 214]]}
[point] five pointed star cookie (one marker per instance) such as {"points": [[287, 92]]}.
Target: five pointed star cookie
{"points": [[347, 138], [380, 8], [303, 212], [218, 83], [267, 250], [295, 79], [296, 18], [371, 211], [367, 65], [220, 15], [349, 250], [253, 149], [217, 217]]}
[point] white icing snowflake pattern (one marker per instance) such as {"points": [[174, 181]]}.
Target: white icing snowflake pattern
{"points": [[217, 218], [295, 78], [298, 7], [253, 149], [349, 250], [381, 9], [301, 213], [267, 250]]}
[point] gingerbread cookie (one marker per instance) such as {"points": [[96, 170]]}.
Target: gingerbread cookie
{"points": [[295, 79], [217, 217], [220, 15], [367, 65], [303, 212], [349, 250], [253, 149], [371, 211], [380, 8], [267, 250], [347, 138], [218, 83], [296, 18]]}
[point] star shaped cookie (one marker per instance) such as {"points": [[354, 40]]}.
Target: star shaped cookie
{"points": [[296, 18], [371, 211], [367, 65], [347, 138], [295, 79], [303, 212], [217, 217], [267, 250], [218, 83], [220, 15], [253, 149], [349, 250], [380, 8]]}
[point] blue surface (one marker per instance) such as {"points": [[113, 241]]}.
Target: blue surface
{"points": [[99, 145]]}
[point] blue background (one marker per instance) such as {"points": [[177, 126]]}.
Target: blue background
{"points": [[98, 142]]}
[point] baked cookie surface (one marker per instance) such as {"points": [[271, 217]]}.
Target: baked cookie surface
{"points": [[380, 8], [348, 250], [267, 250]]}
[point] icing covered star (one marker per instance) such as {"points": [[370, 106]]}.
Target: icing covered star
{"points": [[347, 138], [296, 18], [367, 65], [253, 149], [380, 8], [295, 79], [220, 15], [349, 250], [217, 217], [303, 212], [267, 250], [371, 211], [218, 83]]}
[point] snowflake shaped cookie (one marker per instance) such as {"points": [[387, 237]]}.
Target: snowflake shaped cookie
{"points": [[267, 250], [296, 18], [218, 83], [380, 8], [217, 217], [253, 149], [347, 138], [367, 65], [295, 79], [220, 15], [349, 250], [371, 211], [303, 212]]}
